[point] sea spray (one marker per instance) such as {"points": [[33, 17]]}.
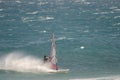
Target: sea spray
{"points": [[20, 62]]}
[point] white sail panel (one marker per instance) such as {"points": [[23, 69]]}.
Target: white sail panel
{"points": [[53, 55]]}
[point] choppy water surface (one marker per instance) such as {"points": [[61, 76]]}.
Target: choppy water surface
{"points": [[87, 35]]}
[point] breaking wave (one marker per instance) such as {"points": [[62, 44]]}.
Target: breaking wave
{"points": [[20, 62], [101, 78]]}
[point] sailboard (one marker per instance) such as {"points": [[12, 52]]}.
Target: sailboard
{"points": [[54, 59]]}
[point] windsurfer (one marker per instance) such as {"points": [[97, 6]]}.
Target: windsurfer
{"points": [[46, 59]]}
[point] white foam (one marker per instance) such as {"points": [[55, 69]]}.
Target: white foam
{"points": [[100, 78], [35, 12], [61, 38], [116, 24], [18, 1], [97, 13], [117, 9], [104, 12], [48, 17], [42, 3], [86, 31], [27, 19], [17, 61], [43, 18], [113, 7], [31, 19], [44, 31], [82, 1], [116, 17], [82, 47], [1, 9]]}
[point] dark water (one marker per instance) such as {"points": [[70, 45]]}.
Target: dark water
{"points": [[87, 35]]}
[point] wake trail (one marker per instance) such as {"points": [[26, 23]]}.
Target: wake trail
{"points": [[22, 63], [114, 77]]}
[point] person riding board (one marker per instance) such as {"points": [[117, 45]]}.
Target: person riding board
{"points": [[46, 59]]}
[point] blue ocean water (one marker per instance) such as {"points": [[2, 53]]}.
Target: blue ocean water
{"points": [[87, 35]]}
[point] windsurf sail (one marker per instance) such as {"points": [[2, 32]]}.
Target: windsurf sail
{"points": [[53, 55]]}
